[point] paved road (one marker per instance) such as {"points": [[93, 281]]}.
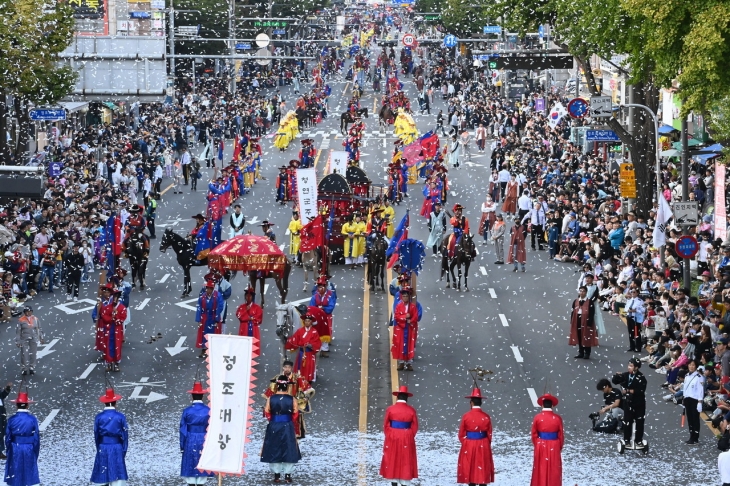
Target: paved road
{"points": [[514, 324]]}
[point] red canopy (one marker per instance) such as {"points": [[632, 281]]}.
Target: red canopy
{"points": [[248, 253]]}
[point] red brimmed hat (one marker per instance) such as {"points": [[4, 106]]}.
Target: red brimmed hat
{"points": [[402, 389], [22, 398], [110, 396], [322, 280], [198, 389], [250, 290], [109, 287], [209, 284], [458, 206], [406, 290], [475, 393], [547, 396]]}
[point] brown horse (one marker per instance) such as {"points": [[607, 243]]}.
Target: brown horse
{"points": [[386, 117], [282, 282]]}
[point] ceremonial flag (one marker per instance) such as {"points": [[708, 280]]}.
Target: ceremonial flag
{"points": [[306, 183], [720, 217], [312, 235], [221, 146], [557, 113], [664, 214], [430, 144], [236, 147], [412, 255], [230, 376], [329, 225], [400, 234], [112, 242]]}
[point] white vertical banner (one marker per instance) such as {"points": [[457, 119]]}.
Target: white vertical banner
{"points": [[307, 194], [720, 213], [338, 162], [230, 372]]}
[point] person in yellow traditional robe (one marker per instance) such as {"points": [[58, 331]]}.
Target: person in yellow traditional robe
{"points": [[354, 245], [295, 228], [389, 215]]}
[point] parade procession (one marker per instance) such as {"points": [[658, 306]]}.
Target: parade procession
{"points": [[378, 244]]}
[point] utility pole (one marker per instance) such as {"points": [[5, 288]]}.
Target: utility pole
{"points": [[171, 38], [687, 282], [232, 35]]}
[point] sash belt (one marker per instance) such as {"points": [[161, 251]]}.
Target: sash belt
{"points": [[548, 435], [397, 424], [476, 435]]}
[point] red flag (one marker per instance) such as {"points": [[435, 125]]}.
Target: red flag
{"points": [[311, 235]]}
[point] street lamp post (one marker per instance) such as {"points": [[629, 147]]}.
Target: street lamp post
{"points": [[658, 167]]}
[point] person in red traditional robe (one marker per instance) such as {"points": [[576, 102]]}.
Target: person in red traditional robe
{"points": [[460, 225], [475, 465], [250, 315], [325, 300], [305, 341], [582, 325], [517, 253], [102, 314], [510, 197], [405, 330], [548, 439], [113, 332], [400, 425]]}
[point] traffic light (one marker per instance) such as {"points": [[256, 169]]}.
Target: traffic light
{"points": [[492, 65]]}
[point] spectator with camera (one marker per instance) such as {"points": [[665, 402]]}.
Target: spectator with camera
{"points": [[612, 408], [633, 383]]}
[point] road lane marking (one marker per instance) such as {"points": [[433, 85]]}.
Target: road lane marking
{"points": [[47, 421], [87, 371], [492, 294], [71, 309], [516, 352], [164, 278], [143, 304], [178, 348], [316, 159], [476, 250], [364, 358], [533, 397], [503, 318], [186, 304], [394, 380], [47, 349], [483, 270]]}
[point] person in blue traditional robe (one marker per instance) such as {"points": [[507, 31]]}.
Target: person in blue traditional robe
{"points": [[280, 448], [22, 444], [208, 315], [111, 438], [193, 426]]}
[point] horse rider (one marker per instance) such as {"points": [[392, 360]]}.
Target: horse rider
{"points": [[135, 221], [199, 222], [460, 226]]}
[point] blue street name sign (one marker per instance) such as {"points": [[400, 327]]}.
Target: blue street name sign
{"points": [[140, 15], [48, 115], [601, 136], [243, 46], [492, 29], [279, 31]]}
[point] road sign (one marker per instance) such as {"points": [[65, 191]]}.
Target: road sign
{"points": [[685, 213], [601, 136], [492, 29], [262, 40], [243, 46], [409, 40], [48, 115], [187, 30], [279, 31], [687, 246], [577, 108], [534, 62], [450, 41], [627, 180], [541, 32], [601, 107]]}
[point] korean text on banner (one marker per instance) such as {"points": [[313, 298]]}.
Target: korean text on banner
{"points": [[307, 189], [338, 162], [230, 372], [720, 215]]}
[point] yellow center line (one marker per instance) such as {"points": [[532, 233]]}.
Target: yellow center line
{"points": [[345, 90], [363, 421], [375, 104], [395, 382], [319, 152], [167, 189]]}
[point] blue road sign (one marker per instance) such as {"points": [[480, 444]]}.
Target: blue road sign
{"points": [[450, 41], [243, 46], [687, 246], [279, 31], [601, 136], [541, 32], [48, 115], [492, 29]]}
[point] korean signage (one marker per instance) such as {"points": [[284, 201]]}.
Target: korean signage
{"points": [[492, 29], [229, 372], [627, 180], [720, 215], [48, 115], [686, 213], [270, 23], [307, 194], [540, 105], [602, 136], [87, 9], [338, 162]]}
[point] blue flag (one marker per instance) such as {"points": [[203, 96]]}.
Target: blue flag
{"points": [[401, 232]]}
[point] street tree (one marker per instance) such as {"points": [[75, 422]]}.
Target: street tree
{"points": [[32, 34]]}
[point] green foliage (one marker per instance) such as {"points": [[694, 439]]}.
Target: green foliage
{"points": [[462, 18], [719, 124]]}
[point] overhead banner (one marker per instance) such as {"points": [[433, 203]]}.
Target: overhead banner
{"points": [[230, 372], [338, 162], [720, 215], [307, 194]]}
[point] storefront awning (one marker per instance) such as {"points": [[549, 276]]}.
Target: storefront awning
{"points": [[667, 129], [111, 106], [73, 106]]}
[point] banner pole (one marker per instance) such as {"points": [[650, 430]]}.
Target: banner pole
{"points": [[220, 479]]}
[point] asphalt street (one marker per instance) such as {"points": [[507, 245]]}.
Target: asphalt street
{"points": [[513, 324]]}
